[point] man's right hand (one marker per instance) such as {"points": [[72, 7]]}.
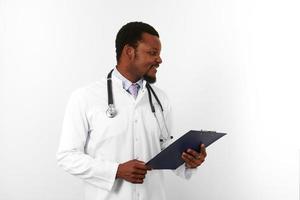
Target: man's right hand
{"points": [[133, 171]]}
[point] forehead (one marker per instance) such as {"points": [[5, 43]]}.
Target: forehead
{"points": [[150, 41]]}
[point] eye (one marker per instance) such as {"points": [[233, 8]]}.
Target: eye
{"points": [[152, 53]]}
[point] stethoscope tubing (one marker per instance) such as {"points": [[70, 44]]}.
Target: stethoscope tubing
{"points": [[111, 111]]}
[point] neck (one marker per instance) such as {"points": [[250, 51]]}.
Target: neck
{"points": [[124, 70]]}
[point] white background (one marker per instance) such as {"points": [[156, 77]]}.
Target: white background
{"points": [[229, 66]]}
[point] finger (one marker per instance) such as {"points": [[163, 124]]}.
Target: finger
{"points": [[188, 162], [139, 165], [137, 181], [148, 168], [139, 171], [203, 150], [194, 161], [189, 159], [195, 154], [199, 157], [138, 176], [139, 162]]}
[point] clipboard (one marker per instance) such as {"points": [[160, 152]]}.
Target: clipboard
{"points": [[170, 157]]}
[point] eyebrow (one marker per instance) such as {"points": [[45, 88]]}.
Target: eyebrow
{"points": [[154, 48]]}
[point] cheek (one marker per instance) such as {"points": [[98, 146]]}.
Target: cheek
{"points": [[142, 61], [144, 64]]}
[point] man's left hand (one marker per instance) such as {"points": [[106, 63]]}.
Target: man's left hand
{"points": [[192, 158]]}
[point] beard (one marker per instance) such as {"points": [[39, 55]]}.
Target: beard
{"points": [[149, 79]]}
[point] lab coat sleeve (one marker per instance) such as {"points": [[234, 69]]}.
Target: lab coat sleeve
{"points": [[182, 171], [71, 156]]}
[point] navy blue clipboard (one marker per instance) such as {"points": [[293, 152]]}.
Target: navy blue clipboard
{"points": [[170, 157]]}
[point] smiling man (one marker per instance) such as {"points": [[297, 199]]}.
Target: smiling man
{"points": [[108, 147]]}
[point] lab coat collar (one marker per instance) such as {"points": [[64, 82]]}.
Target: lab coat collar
{"points": [[119, 83], [125, 82]]}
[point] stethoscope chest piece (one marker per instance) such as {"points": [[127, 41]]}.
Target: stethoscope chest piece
{"points": [[111, 111]]}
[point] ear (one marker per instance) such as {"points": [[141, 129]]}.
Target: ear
{"points": [[129, 52]]}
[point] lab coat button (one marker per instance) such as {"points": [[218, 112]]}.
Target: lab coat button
{"points": [[135, 121]]}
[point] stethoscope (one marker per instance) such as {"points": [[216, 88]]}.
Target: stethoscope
{"points": [[111, 111]]}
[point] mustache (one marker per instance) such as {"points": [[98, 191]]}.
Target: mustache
{"points": [[148, 78], [154, 65]]}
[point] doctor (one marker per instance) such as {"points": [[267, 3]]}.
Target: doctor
{"points": [[112, 127]]}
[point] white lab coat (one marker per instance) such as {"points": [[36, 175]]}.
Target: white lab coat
{"points": [[93, 145]]}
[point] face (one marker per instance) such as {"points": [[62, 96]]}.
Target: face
{"points": [[147, 57]]}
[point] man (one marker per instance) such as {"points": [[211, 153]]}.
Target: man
{"points": [[109, 153]]}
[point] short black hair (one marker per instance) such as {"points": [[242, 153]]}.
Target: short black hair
{"points": [[130, 34]]}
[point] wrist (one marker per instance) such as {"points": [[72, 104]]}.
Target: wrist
{"points": [[118, 174]]}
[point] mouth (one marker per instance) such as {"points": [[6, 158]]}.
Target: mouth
{"points": [[150, 76], [154, 67]]}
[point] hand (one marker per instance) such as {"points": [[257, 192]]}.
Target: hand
{"points": [[133, 171], [192, 158]]}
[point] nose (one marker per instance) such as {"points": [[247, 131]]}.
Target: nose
{"points": [[159, 60]]}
